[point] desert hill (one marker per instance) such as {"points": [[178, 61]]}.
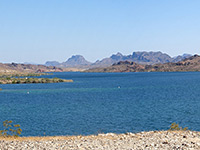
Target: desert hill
{"points": [[27, 68]]}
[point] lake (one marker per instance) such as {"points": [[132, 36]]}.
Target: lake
{"points": [[103, 102]]}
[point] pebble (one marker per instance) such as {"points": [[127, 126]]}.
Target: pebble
{"points": [[129, 141]]}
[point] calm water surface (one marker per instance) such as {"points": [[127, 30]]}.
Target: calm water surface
{"points": [[103, 102]]}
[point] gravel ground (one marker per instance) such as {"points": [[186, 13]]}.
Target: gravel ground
{"points": [[129, 141]]}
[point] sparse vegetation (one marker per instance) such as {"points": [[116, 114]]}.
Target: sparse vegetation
{"points": [[175, 127], [12, 75], [10, 129], [26, 80]]}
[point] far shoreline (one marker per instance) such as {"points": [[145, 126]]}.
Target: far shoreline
{"points": [[29, 78]]}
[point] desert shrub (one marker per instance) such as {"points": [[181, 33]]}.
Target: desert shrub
{"points": [[55, 79], [175, 127], [14, 82], [18, 82], [47, 80], [61, 80], [10, 129], [28, 80], [43, 80], [8, 78]]}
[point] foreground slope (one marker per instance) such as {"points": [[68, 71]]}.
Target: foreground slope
{"points": [[188, 64], [144, 140]]}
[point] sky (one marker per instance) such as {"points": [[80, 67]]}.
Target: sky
{"points": [[46, 30]]}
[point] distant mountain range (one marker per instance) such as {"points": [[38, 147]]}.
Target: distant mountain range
{"points": [[137, 62], [148, 58], [188, 64]]}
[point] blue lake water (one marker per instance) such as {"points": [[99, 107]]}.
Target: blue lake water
{"points": [[103, 102]]}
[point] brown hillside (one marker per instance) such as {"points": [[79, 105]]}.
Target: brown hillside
{"points": [[26, 68]]}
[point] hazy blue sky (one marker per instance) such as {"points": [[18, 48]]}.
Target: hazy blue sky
{"points": [[41, 30]]}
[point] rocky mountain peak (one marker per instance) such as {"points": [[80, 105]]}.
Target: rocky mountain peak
{"points": [[52, 63], [77, 60], [118, 56]]}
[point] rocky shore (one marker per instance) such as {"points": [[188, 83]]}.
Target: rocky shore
{"points": [[110, 141]]}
